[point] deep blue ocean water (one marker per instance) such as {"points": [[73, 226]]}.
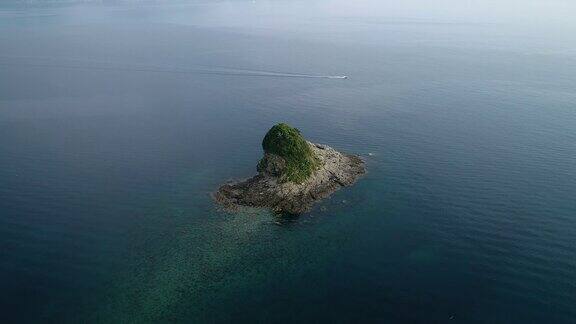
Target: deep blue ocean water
{"points": [[118, 121]]}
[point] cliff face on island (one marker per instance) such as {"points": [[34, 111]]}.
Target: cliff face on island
{"points": [[293, 174]]}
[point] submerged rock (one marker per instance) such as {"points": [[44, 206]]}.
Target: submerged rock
{"points": [[293, 174]]}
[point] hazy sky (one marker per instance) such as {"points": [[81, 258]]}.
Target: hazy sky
{"points": [[479, 10], [538, 13]]}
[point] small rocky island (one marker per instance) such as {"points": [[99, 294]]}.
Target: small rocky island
{"points": [[292, 175]]}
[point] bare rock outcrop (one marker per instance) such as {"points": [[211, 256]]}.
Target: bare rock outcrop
{"points": [[267, 189]]}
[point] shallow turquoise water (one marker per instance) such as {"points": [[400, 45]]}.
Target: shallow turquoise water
{"points": [[118, 121]]}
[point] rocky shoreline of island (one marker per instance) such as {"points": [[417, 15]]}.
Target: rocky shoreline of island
{"points": [[335, 170]]}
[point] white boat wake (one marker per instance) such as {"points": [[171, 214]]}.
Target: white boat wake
{"points": [[82, 64]]}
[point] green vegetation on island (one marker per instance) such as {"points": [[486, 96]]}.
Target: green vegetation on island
{"points": [[292, 175], [286, 142]]}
